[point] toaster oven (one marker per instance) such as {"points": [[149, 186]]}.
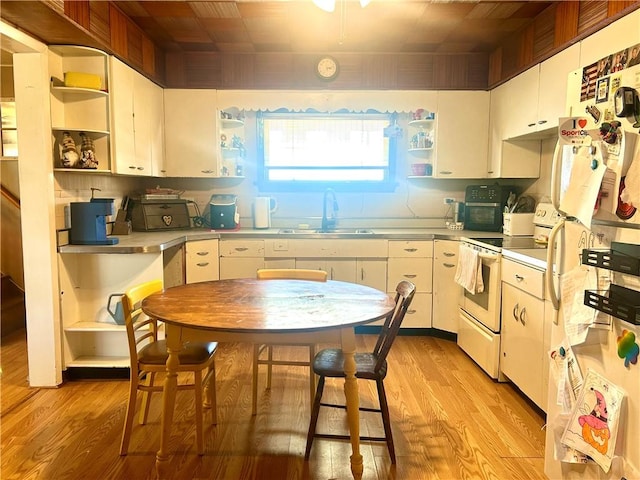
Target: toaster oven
{"points": [[484, 206]]}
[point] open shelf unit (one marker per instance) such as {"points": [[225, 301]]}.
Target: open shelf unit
{"points": [[421, 146], [76, 109]]}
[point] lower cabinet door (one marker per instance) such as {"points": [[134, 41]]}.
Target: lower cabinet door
{"points": [[522, 342]]}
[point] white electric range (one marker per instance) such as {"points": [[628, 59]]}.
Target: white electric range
{"points": [[479, 314]]}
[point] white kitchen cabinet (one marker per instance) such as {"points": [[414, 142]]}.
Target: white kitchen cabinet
{"points": [[446, 292], [552, 88], [241, 258], [191, 133], [412, 261], [342, 269], [509, 158], [521, 104], [137, 122], [76, 109], [372, 272], [523, 353], [462, 134], [202, 262]]}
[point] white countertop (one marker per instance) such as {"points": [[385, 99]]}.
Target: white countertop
{"points": [[535, 257]]}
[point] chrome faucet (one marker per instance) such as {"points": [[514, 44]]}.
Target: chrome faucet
{"points": [[329, 222]]}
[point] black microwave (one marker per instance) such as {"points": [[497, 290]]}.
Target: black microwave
{"points": [[484, 206]]}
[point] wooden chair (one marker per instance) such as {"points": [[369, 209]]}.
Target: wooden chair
{"points": [[258, 349], [369, 366], [148, 356]]}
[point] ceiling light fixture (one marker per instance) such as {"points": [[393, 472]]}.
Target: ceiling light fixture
{"points": [[330, 5]]}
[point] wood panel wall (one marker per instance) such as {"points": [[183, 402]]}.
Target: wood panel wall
{"points": [[102, 25], [97, 24], [554, 29], [297, 71]]}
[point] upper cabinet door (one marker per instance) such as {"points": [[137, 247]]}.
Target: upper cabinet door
{"points": [[522, 104], [191, 144], [130, 136], [552, 92], [462, 134]]}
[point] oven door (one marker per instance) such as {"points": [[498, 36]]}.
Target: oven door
{"points": [[485, 306], [486, 217]]}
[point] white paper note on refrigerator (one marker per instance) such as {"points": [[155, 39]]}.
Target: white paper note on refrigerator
{"points": [[587, 171]]}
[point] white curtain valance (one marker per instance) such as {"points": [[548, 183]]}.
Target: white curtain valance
{"points": [[329, 101]]}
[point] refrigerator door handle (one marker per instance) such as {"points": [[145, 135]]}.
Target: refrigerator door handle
{"points": [[556, 165], [550, 263]]}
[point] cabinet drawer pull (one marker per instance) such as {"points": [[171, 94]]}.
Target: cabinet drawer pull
{"points": [[410, 275], [541, 122], [132, 167], [206, 171], [523, 315], [448, 265], [445, 172], [519, 277], [140, 168], [449, 254], [490, 171], [531, 124], [411, 312], [241, 249], [515, 312], [410, 250], [202, 264], [202, 254], [362, 274]]}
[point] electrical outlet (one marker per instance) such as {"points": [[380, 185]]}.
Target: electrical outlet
{"points": [[449, 200]]}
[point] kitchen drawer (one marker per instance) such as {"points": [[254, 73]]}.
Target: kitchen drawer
{"points": [[481, 344], [201, 260], [526, 278], [417, 270], [241, 248], [420, 248], [419, 313], [316, 248]]}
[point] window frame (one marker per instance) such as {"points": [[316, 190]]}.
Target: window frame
{"points": [[388, 184]]}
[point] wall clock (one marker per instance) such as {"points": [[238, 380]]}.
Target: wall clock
{"points": [[327, 68]]}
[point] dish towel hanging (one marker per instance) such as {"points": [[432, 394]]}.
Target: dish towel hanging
{"points": [[469, 271]]}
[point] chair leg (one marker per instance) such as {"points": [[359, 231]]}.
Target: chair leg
{"points": [[210, 400], [254, 387], [199, 421], [146, 398], [315, 411], [384, 407], [269, 366], [312, 376], [128, 419]]}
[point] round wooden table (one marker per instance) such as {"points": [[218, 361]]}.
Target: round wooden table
{"points": [[266, 311]]}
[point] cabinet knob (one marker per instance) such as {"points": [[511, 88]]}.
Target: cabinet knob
{"points": [[519, 277], [132, 167], [490, 171], [206, 171], [241, 249]]}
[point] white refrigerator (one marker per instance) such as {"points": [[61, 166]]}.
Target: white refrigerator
{"points": [[586, 437]]}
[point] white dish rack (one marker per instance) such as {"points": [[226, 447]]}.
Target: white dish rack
{"points": [[455, 225]]}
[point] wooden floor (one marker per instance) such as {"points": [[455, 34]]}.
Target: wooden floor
{"points": [[450, 421]]}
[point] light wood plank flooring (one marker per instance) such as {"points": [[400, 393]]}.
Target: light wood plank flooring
{"points": [[450, 421]]}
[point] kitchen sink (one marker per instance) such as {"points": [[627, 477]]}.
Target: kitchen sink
{"points": [[333, 231]]}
